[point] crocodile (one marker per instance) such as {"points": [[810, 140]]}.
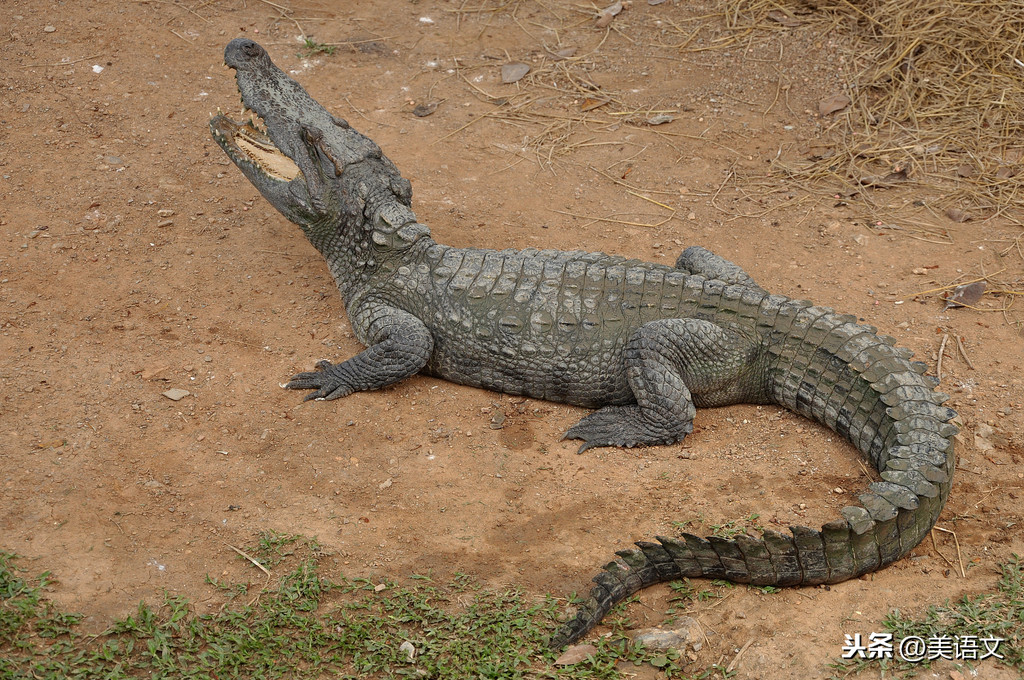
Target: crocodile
{"points": [[642, 343]]}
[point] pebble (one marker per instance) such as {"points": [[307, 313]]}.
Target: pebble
{"points": [[686, 632], [575, 654], [176, 394]]}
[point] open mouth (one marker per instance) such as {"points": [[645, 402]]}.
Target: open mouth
{"points": [[249, 142]]}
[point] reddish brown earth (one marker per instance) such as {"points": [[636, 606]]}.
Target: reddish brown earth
{"points": [[135, 258]]}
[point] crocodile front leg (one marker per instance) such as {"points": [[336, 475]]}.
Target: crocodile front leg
{"points": [[399, 346], [669, 363]]}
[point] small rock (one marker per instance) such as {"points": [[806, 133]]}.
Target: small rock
{"points": [[162, 212], [575, 654], [687, 632], [380, 587], [49, 29], [409, 649], [424, 110], [514, 72], [498, 421], [386, 484], [659, 119], [176, 394]]}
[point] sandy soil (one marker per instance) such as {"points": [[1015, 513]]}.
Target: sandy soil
{"points": [[135, 259]]}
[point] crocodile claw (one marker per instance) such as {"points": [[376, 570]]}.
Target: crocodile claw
{"points": [[327, 383], [623, 426], [610, 426]]}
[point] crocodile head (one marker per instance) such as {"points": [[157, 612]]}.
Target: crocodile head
{"points": [[291, 148]]}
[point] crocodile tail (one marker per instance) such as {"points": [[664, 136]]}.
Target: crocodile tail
{"points": [[856, 382]]}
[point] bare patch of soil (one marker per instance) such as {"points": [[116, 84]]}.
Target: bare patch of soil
{"points": [[136, 259]]}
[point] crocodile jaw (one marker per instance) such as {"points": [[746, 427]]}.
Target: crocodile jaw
{"points": [[246, 143], [273, 149]]}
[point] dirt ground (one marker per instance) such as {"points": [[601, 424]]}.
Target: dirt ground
{"points": [[136, 259]]}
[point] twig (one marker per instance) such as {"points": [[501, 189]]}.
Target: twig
{"points": [[963, 352], [608, 219], [956, 542], [489, 114], [63, 63], [250, 558], [987, 494], [935, 547], [736, 659], [864, 469], [942, 348], [628, 185], [667, 207]]}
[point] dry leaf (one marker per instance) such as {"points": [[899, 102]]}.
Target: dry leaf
{"points": [[605, 16], [885, 181], [965, 295], [784, 19], [836, 102], [575, 654], [958, 215], [424, 110], [659, 119], [514, 72], [591, 104], [966, 170], [564, 53]]}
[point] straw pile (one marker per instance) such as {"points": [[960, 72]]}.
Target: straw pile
{"points": [[937, 89]]}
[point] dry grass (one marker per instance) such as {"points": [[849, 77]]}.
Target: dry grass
{"points": [[937, 90]]}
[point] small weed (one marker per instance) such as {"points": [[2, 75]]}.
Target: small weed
{"points": [[309, 625], [313, 47], [736, 526], [945, 630]]}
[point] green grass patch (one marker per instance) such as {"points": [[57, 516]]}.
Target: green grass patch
{"points": [[956, 631], [313, 47], [307, 625]]}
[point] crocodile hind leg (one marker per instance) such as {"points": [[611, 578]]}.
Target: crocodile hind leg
{"points": [[399, 346], [670, 363], [703, 262]]}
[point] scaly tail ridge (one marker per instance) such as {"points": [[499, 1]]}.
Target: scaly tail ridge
{"points": [[844, 375]]}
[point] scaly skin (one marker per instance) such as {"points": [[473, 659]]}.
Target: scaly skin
{"points": [[645, 344]]}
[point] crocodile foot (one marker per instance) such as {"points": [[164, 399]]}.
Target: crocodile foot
{"points": [[622, 426], [326, 380]]}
